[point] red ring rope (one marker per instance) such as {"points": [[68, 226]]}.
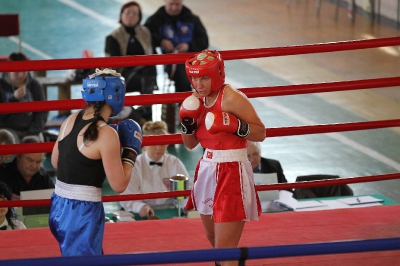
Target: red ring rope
{"points": [[162, 59], [177, 139], [171, 194], [178, 97]]}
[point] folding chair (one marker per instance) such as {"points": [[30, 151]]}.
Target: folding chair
{"points": [[9, 26]]}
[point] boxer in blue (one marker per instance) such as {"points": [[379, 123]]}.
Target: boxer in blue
{"points": [[86, 152]]}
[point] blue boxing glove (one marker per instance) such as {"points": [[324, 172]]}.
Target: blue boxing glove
{"points": [[130, 136]]}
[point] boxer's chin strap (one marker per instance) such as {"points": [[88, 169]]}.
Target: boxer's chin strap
{"points": [[105, 71]]}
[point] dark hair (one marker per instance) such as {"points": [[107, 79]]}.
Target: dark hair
{"points": [[10, 215], [128, 4], [17, 56], [92, 131]]}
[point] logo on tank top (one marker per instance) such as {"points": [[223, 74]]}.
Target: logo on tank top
{"points": [[209, 155]]}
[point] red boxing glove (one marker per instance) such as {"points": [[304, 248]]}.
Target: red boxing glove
{"points": [[220, 121], [190, 107], [189, 112]]}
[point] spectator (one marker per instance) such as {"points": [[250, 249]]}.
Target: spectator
{"points": [[132, 38], [263, 165], [6, 138], [25, 172], [8, 217], [176, 29], [21, 87], [152, 172]]}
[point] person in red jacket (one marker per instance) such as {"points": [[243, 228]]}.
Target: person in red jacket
{"points": [[222, 120]]}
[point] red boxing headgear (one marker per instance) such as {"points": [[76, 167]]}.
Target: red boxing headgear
{"points": [[207, 63]]}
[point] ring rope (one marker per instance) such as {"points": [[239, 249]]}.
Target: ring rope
{"points": [[163, 59], [172, 194], [168, 257], [177, 139], [178, 97]]}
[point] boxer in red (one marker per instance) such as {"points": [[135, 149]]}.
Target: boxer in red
{"points": [[221, 119]]}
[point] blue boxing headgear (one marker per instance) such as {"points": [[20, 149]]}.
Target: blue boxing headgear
{"points": [[105, 88]]}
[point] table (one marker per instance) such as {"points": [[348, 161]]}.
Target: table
{"points": [[162, 214], [325, 203], [42, 220], [386, 200], [173, 213]]}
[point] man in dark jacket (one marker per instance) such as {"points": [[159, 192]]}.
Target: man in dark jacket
{"points": [[25, 172], [21, 87], [263, 165], [175, 29]]}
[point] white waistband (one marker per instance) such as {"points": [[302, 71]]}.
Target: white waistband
{"points": [[78, 192], [220, 156]]}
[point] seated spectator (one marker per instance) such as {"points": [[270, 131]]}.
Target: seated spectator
{"points": [[152, 172], [21, 87], [176, 29], [6, 138], [133, 38], [8, 217], [263, 165], [25, 172]]}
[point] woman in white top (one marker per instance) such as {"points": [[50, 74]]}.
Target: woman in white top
{"points": [[8, 220], [152, 171]]}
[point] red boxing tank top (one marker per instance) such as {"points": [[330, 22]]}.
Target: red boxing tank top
{"points": [[221, 140]]}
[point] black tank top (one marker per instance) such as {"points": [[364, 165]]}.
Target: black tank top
{"points": [[74, 167]]}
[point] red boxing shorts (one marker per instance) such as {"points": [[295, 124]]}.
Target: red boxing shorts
{"points": [[224, 186]]}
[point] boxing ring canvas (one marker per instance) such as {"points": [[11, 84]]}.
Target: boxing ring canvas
{"points": [[273, 229]]}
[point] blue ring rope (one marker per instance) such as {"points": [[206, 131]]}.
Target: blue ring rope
{"points": [[383, 244]]}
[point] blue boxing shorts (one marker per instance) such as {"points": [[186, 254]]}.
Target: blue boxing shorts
{"points": [[77, 219]]}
